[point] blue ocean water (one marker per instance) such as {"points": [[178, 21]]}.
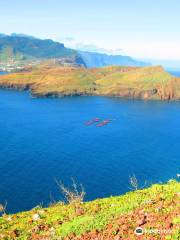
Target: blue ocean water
{"points": [[175, 73], [2, 73], [46, 139]]}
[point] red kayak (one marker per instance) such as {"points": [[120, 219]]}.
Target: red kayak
{"points": [[103, 123], [92, 121]]}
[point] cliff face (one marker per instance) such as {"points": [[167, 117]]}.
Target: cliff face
{"points": [[93, 59], [128, 82], [113, 218]]}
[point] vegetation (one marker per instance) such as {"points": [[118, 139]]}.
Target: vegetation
{"points": [[49, 79], [73, 195], [134, 182], [152, 209]]}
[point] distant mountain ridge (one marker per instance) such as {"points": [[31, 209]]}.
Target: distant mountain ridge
{"points": [[93, 59], [29, 47], [21, 47]]}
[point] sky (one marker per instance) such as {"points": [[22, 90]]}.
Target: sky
{"points": [[143, 29]]}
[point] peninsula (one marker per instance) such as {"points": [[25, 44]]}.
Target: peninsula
{"points": [[52, 79]]}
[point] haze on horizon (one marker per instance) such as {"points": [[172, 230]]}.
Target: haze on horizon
{"points": [[142, 29]]}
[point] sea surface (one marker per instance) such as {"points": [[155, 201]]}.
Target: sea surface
{"points": [[175, 73], [44, 140], [2, 73]]}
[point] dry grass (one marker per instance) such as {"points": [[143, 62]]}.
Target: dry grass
{"points": [[74, 194], [134, 182]]}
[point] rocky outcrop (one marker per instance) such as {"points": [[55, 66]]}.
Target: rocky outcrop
{"points": [[147, 94], [167, 92]]}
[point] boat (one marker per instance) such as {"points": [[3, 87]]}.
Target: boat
{"points": [[90, 122], [103, 123]]}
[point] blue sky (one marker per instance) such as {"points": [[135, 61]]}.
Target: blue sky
{"points": [[146, 29]]}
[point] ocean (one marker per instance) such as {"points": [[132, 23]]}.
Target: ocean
{"points": [[47, 140]]}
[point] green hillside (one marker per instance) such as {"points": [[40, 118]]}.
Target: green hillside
{"points": [[152, 209], [7, 53]]}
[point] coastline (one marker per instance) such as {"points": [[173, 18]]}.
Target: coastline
{"points": [[145, 83], [60, 95]]}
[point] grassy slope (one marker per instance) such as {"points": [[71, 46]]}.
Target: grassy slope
{"points": [[110, 218], [145, 82]]}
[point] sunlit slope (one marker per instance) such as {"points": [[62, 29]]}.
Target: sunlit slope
{"points": [[131, 82]]}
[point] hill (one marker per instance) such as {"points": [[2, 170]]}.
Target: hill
{"points": [[24, 47], [49, 79], [155, 210], [19, 50]]}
